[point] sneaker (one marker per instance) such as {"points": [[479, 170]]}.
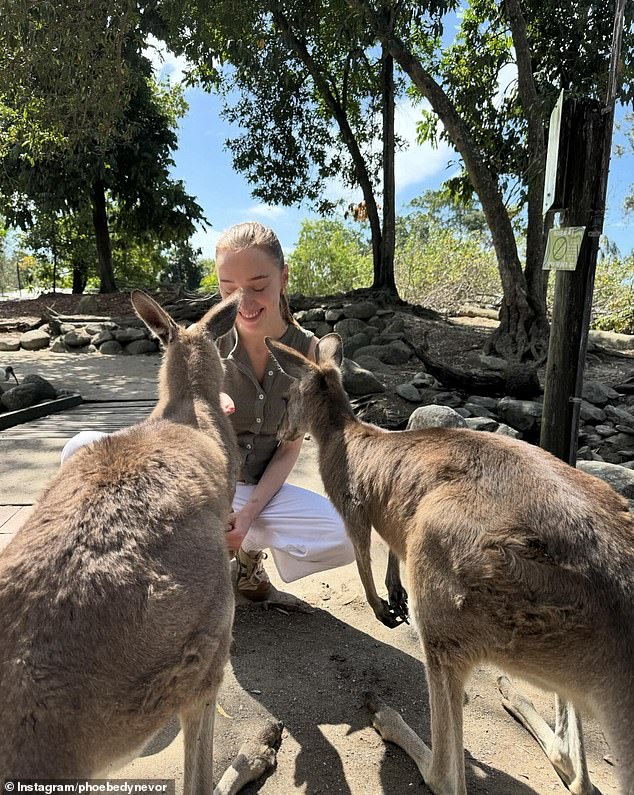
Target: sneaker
{"points": [[253, 582]]}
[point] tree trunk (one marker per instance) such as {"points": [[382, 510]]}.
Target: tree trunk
{"points": [[299, 47], [386, 281], [80, 277], [520, 334], [102, 238]]}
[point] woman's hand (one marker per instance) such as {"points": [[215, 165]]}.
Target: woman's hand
{"points": [[239, 524]]}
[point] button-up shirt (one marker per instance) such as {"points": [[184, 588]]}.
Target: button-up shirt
{"points": [[260, 407]]}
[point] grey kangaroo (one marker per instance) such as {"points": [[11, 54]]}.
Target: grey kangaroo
{"points": [[511, 556]]}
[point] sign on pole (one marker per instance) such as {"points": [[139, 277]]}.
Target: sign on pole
{"points": [[563, 247], [552, 155]]}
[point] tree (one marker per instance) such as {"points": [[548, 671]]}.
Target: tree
{"points": [[315, 96], [329, 257], [183, 266], [132, 171], [560, 47]]}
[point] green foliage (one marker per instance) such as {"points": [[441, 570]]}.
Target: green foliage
{"points": [[329, 257], [209, 280], [183, 266], [613, 300]]}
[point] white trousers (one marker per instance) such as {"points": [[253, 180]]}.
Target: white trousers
{"points": [[301, 528]]}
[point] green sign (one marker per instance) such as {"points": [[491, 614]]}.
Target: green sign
{"points": [[562, 249]]}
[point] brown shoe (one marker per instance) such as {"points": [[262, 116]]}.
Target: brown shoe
{"points": [[253, 582]]}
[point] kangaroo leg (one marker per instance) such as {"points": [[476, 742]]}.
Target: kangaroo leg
{"points": [[397, 595], [254, 758], [360, 537], [198, 736], [442, 766], [563, 746]]}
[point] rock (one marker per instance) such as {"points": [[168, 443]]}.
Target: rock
{"points": [[482, 424], [9, 344], [377, 322], [58, 346], [45, 390], [396, 353], [34, 340], [371, 363], [479, 411], [333, 315], [355, 342], [408, 392], [126, 335], [101, 336], [358, 381], [311, 315], [348, 327], [94, 328], [620, 478], [463, 412], [598, 393], [397, 326], [111, 347], [625, 429], [521, 414], [435, 417], [610, 339], [620, 441], [451, 399], [424, 380], [82, 349], [605, 430], [65, 328], [620, 415], [141, 346], [591, 413], [363, 310], [505, 430], [484, 400], [318, 329], [88, 305], [385, 339], [77, 338], [19, 397]]}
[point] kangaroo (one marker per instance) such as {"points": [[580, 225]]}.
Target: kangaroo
{"points": [[511, 556], [116, 602]]}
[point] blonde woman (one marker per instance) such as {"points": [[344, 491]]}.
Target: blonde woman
{"points": [[302, 529]]}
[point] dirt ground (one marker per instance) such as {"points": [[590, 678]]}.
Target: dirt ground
{"points": [[310, 670]]}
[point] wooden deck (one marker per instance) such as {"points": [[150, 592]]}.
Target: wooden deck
{"points": [[107, 416]]}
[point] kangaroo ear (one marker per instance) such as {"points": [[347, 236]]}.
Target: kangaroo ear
{"points": [[154, 316], [291, 361], [222, 317], [330, 350]]}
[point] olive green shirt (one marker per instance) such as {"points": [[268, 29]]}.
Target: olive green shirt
{"points": [[260, 408]]}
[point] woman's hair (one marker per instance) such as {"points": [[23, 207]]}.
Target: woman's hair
{"points": [[252, 234]]}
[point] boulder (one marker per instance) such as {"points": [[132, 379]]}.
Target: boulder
{"points": [[408, 392], [34, 340], [44, 389], [311, 315], [620, 415], [363, 310], [111, 347], [126, 335], [482, 424], [58, 346], [353, 343], [9, 344], [77, 338], [597, 393], [333, 314], [358, 381], [520, 414], [484, 400], [348, 327], [435, 417], [505, 430], [141, 346], [19, 397], [590, 412], [105, 335], [371, 363], [620, 478], [319, 329]]}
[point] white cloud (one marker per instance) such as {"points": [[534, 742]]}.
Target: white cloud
{"points": [[166, 65], [266, 211], [417, 162], [206, 240]]}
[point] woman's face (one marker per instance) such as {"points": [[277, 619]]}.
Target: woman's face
{"points": [[262, 281]]}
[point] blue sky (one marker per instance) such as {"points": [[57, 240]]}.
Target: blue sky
{"points": [[204, 165]]}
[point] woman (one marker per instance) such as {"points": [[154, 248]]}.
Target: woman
{"points": [[303, 530]]}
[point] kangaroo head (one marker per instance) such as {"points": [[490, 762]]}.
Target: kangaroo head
{"points": [[312, 383], [191, 356]]}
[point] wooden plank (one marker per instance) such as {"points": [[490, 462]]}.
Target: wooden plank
{"points": [[11, 418], [6, 512], [17, 520]]}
